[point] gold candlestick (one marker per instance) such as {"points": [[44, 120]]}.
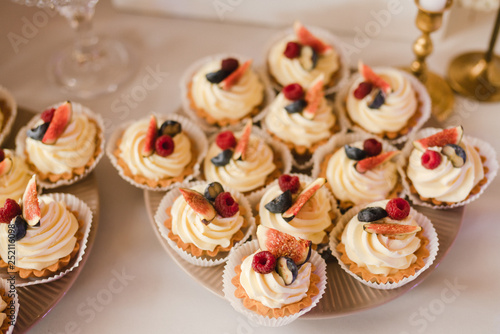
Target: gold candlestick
{"points": [[439, 90], [476, 74]]}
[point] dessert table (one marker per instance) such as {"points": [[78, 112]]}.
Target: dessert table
{"points": [[130, 284]]}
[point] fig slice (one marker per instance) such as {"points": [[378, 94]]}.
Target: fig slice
{"points": [[283, 244], [366, 164], [303, 197], [199, 204], [31, 207], [391, 229], [372, 77], [313, 97], [307, 38], [57, 125], [150, 139], [234, 77], [440, 139], [241, 147], [5, 166]]}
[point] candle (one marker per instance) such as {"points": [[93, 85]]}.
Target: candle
{"points": [[433, 5]]}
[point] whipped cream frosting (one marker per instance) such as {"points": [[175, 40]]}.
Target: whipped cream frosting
{"points": [[377, 253], [270, 289], [73, 149], [393, 115], [46, 244], [187, 224], [287, 71], [13, 184], [347, 184], [311, 221], [154, 167], [445, 182], [242, 175], [235, 103], [297, 129]]}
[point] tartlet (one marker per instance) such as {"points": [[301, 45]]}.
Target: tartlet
{"points": [[8, 113], [13, 178]]}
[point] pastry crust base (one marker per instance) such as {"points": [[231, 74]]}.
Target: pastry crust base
{"points": [[285, 310]]}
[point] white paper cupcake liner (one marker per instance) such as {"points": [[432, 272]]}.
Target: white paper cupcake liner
{"points": [[485, 149], [11, 292], [255, 198], [77, 108], [196, 136], [203, 261], [423, 98], [236, 258], [429, 232], [324, 35], [278, 147], [191, 71], [5, 128], [74, 204]]}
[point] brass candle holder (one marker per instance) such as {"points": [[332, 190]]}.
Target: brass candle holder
{"points": [[439, 90], [476, 74]]}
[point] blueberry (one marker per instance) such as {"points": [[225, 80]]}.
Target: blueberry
{"points": [[371, 214], [378, 100], [218, 76], [213, 190], [20, 226], [296, 106], [38, 132], [170, 128], [280, 203], [222, 158], [456, 154], [287, 269], [354, 153]]}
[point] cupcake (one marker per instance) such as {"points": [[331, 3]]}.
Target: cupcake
{"points": [[245, 160], [445, 169], [311, 204], [387, 102], [63, 144], [14, 176], [384, 244], [8, 112], [358, 168], [49, 233], [301, 118], [203, 222], [300, 56], [9, 306], [153, 153], [222, 90], [275, 279]]}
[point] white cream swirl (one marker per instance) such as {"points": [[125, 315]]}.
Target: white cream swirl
{"points": [[46, 244], [270, 289], [73, 149], [399, 106], [242, 175], [187, 224], [297, 129], [154, 167], [13, 184], [235, 103], [347, 184], [446, 183], [311, 221], [377, 253], [287, 71]]}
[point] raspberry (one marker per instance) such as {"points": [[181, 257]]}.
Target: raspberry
{"points": [[10, 210], [229, 64], [164, 146], [293, 92], [289, 182], [225, 205], [431, 159], [2, 155], [372, 147], [226, 140], [263, 262], [292, 50], [398, 208], [47, 115], [363, 89]]}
